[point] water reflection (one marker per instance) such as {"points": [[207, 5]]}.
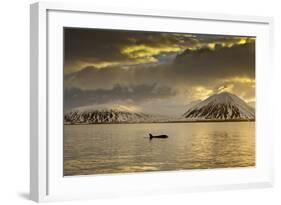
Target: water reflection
{"points": [[117, 148]]}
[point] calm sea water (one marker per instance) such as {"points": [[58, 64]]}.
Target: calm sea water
{"points": [[119, 148]]}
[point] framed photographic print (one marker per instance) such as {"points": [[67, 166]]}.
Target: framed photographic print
{"points": [[128, 102]]}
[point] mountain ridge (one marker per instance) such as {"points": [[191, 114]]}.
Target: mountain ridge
{"points": [[221, 106], [218, 107], [115, 114]]}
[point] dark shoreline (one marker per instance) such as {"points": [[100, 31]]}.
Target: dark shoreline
{"points": [[195, 121]]}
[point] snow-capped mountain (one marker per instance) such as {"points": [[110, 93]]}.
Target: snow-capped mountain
{"points": [[222, 106], [115, 114]]}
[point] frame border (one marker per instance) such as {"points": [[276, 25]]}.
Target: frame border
{"points": [[39, 77]]}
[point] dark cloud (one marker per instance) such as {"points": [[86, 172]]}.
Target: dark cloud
{"points": [[94, 46], [219, 63], [190, 68], [103, 48], [90, 44], [75, 97]]}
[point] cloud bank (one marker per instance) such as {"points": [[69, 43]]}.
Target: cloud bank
{"points": [[151, 70]]}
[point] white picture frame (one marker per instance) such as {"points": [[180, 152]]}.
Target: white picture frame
{"points": [[46, 180]]}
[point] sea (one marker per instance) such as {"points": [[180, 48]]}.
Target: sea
{"points": [[126, 148]]}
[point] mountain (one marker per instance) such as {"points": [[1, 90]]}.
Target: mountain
{"points": [[115, 114], [222, 106]]}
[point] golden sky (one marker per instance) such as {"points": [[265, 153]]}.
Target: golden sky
{"points": [[153, 71]]}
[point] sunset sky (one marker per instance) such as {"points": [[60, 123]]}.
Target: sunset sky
{"points": [[154, 72]]}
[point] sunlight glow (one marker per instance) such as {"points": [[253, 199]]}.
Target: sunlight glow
{"points": [[143, 51], [201, 92], [243, 80]]}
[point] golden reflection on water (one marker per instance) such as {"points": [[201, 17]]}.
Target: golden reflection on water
{"points": [[121, 148]]}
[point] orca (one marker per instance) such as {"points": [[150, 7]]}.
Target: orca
{"points": [[157, 136]]}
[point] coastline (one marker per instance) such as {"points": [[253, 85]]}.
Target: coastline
{"points": [[174, 121]]}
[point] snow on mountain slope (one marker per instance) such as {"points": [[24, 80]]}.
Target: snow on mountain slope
{"points": [[115, 114], [222, 106]]}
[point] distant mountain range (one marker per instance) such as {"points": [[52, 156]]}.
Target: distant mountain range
{"points": [[221, 107]]}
